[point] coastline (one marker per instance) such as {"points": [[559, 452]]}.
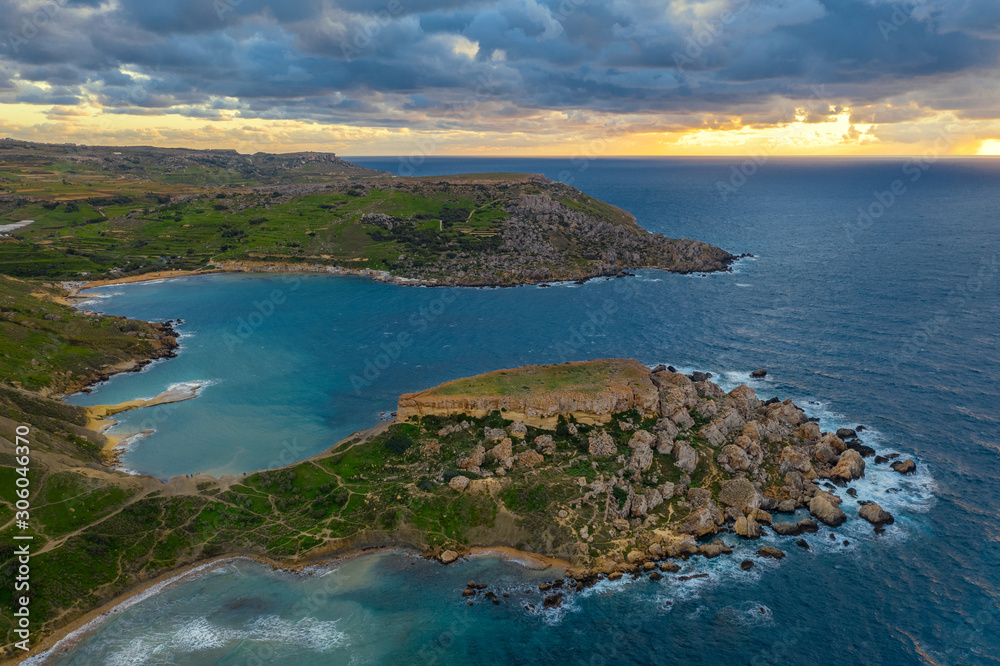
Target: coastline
{"points": [[64, 638], [99, 416], [263, 267]]}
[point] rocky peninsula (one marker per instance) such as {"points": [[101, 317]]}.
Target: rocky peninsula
{"points": [[100, 214], [612, 466]]}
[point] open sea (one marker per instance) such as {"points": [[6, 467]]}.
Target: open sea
{"points": [[865, 306]]}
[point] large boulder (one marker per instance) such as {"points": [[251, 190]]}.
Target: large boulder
{"points": [[664, 443], [859, 446], [667, 427], [502, 451], [685, 457], [846, 433], [851, 466], [474, 459], [793, 460], [734, 459], [642, 458], [517, 429], [601, 445], [747, 528], [642, 437], [709, 390], [795, 529], [835, 443], [739, 494], [528, 458], [745, 399], [448, 556], [823, 452], [495, 434], [714, 549], [638, 506], [904, 467], [753, 430], [786, 412], [701, 522], [876, 515], [771, 551], [808, 430], [544, 444], [786, 529], [682, 418], [826, 512], [713, 434], [685, 545], [653, 498], [459, 483]]}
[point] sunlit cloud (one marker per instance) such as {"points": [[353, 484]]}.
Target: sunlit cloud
{"points": [[528, 77]]}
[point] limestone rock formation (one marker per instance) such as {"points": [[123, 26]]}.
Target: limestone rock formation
{"points": [[904, 467], [826, 512], [545, 444], [459, 482], [590, 390], [876, 515], [851, 466], [685, 456], [601, 445]]}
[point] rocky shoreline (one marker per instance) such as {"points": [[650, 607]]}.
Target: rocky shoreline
{"points": [[756, 459], [165, 346], [579, 277]]}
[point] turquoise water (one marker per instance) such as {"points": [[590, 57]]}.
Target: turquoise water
{"points": [[891, 324]]}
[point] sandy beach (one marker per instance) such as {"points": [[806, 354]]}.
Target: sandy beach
{"points": [[99, 416], [147, 277]]}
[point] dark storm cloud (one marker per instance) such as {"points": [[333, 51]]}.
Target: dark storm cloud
{"points": [[396, 61]]}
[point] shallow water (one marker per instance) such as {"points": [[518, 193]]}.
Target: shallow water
{"points": [[891, 324]]}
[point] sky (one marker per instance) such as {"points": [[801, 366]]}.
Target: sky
{"points": [[507, 77]]}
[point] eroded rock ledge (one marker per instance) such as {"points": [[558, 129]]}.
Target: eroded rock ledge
{"points": [[591, 392]]}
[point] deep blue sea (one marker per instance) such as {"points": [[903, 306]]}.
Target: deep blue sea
{"points": [[865, 306]]}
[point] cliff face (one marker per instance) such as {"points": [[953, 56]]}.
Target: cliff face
{"points": [[536, 395]]}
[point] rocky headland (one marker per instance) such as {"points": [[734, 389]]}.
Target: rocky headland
{"points": [[175, 211], [619, 470]]}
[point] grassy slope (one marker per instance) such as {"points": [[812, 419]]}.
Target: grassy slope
{"points": [[49, 347], [99, 218], [586, 377], [137, 233]]}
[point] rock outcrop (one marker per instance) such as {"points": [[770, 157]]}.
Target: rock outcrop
{"points": [[876, 515], [904, 467], [826, 511]]}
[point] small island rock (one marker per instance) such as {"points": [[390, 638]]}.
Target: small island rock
{"points": [[876, 515], [904, 467]]}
